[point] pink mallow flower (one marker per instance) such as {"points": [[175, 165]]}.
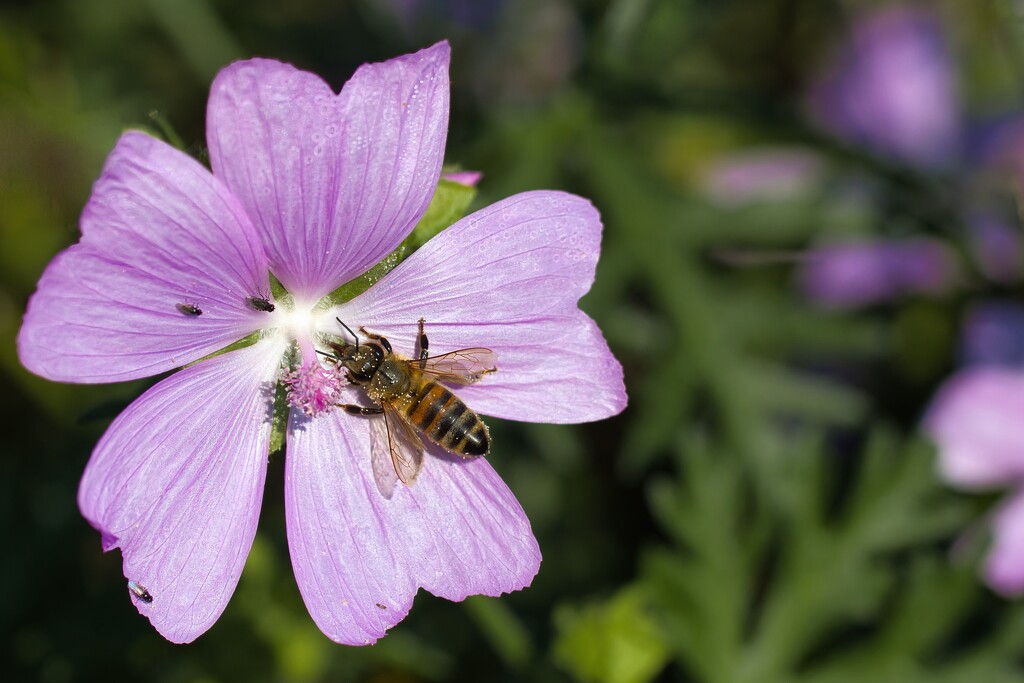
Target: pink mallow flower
{"points": [[977, 421], [315, 187]]}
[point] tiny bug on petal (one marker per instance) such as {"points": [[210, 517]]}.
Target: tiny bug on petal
{"points": [[259, 303], [140, 591], [189, 309]]}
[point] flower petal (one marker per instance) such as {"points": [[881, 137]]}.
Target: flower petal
{"points": [[333, 182], [159, 231], [177, 481], [508, 278], [360, 557], [977, 419], [1004, 565]]}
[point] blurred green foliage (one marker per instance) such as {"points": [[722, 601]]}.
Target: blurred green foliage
{"points": [[763, 511]]}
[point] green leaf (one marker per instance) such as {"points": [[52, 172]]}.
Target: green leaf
{"points": [[450, 203], [805, 396], [610, 642]]}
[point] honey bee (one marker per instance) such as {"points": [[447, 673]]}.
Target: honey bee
{"points": [[413, 402]]}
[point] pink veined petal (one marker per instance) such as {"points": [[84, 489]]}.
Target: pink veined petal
{"points": [[508, 278], [333, 182], [159, 231], [177, 482], [1004, 566], [359, 557], [977, 420]]}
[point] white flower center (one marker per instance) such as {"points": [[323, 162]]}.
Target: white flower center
{"points": [[314, 386]]}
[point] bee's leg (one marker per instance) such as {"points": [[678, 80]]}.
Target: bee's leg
{"points": [[353, 409], [424, 345], [376, 337]]}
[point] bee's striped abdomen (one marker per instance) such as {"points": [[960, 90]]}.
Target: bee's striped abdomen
{"points": [[444, 419]]}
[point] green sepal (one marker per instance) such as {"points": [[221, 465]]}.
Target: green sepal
{"points": [[277, 290], [450, 202], [279, 425], [247, 340]]}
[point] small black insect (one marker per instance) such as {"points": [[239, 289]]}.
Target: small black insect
{"points": [[259, 303], [380, 605], [140, 591], [189, 309]]}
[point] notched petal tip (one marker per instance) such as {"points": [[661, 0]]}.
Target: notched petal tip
{"points": [[436, 56], [509, 277], [134, 144], [158, 232], [360, 558], [357, 168], [176, 483], [108, 541], [439, 53]]}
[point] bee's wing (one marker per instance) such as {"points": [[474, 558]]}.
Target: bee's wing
{"points": [[395, 451], [465, 366], [380, 457]]}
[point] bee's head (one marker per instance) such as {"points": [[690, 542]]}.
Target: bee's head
{"points": [[361, 360]]}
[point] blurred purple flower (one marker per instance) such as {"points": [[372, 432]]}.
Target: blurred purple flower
{"points": [[997, 249], [315, 187], [859, 274], [993, 335], [892, 89], [999, 144], [763, 174], [977, 421], [412, 15]]}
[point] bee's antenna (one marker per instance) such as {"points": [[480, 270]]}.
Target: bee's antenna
{"points": [[354, 335], [328, 355]]}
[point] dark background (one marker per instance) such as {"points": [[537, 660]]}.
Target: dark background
{"points": [[764, 510]]}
